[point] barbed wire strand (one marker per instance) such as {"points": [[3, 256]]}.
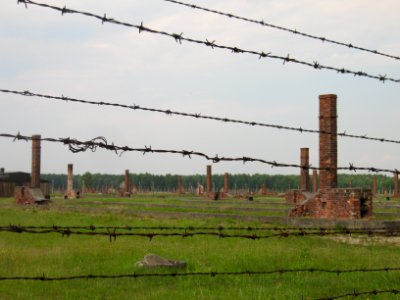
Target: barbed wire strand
{"points": [[179, 38], [294, 31], [364, 293], [76, 146], [14, 227], [170, 112], [113, 234], [211, 274]]}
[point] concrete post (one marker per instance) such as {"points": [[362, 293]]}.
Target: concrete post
{"points": [[315, 181], [304, 175], [209, 181], [179, 184], [328, 141], [35, 174], [226, 183]]}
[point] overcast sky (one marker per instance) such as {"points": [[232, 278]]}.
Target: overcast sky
{"points": [[77, 56]]}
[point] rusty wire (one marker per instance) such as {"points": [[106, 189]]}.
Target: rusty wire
{"points": [[364, 293], [170, 112], [294, 31], [179, 38], [321, 230], [212, 274], [112, 234], [101, 142]]}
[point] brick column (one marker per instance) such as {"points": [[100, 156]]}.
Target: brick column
{"points": [[127, 183], [35, 174], [304, 175], [179, 184], [226, 183], [396, 185], [350, 183], [314, 181], [374, 186], [70, 180], [328, 141], [209, 182]]}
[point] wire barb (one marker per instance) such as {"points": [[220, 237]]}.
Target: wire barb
{"points": [[179, 38]]}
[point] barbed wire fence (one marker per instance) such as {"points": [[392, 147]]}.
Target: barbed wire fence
{"points": [[101, 142], [293, 31], [179, 38], [76, 146], [170, 112]]}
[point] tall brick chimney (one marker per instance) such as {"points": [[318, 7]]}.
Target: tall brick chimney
{"points": [[315, 181], [327, 141], [304, 175], [226, 183], [35, 174], [209, 181], [179, 184], [396, 184], [70, 180], [374, 186], [127, 182]]}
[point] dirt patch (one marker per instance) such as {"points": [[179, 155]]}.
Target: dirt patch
{"points": [[367, 240]]}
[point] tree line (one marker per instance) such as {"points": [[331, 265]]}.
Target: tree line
{"points": [[150, 182]]}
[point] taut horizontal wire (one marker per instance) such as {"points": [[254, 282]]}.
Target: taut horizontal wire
{"points": [[212, 274], [234, 49], [355, 293], [76, 146], [294, 31], [170, 112]]}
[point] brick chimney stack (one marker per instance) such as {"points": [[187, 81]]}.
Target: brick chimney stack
{"points": [[209, 181], [328, 141], [304, 175], [35, 174], [70, 180]]}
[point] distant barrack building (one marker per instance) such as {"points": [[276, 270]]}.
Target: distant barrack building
{"points": [[9, 180]]}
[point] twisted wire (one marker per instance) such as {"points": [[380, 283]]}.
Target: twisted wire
{"points": [[76, 146], [294, 31], [170, 112], [179, 38]]}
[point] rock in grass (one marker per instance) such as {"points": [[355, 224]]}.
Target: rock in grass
{"points": [[152, 260]]}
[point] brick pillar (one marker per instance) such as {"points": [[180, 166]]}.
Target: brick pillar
{"points": [[35, 174], [314, 181], [374, 186], [304, 175], [264, 189], [179, 184], [350, 183], [70, 180], [209, 182], [127, 183], [327, 141], [396, 184], [226, 183]]}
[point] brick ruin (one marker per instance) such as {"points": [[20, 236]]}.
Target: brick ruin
{"points": [[71, 194], [330, 201], [180, 190], [396, 186], [32, 194], [226, 183]]}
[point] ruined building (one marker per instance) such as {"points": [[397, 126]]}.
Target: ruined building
{"points": [[329, 201]]}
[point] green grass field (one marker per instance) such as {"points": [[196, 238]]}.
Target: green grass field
{"points": [[51, 255]]}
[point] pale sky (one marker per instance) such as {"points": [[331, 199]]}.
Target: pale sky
{"points": [[77, 56]]}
